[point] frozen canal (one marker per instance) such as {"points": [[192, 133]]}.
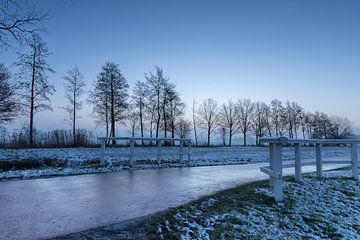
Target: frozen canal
{"points": [[43, 208]]}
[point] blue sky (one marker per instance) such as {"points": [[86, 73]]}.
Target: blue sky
{"points": [[304, 51]]}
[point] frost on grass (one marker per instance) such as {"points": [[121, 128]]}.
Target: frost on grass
{"points": [[315, 209]]}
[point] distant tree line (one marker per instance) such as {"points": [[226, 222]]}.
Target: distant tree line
{"points": [[154, 108], [267, 120]]}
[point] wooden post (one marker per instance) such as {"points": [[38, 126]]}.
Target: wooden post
{"points": [[181, 151], [318, 160], [298, 162], [102, 160], [354, 161], [158, 142], [277, 168], [272, 150], [189, 151], [131, 155]]}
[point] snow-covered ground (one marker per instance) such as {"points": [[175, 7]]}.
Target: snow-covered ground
{"points": [[69, 161], [315, 209]]}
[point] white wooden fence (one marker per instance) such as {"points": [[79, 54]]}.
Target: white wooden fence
{"points": [[274, 170], [183, 142]]}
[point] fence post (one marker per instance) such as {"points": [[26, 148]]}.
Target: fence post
{"points": [[189, 151], [318, 160], [277, 168], [181, 151], [354, 161], [298, 162], [158, 142], [102, 160], [272, 150], [131, 155]]}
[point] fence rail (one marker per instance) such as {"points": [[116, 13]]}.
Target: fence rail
{"points": [[183, 142], [274, 170]]}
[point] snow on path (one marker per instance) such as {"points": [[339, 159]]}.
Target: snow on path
{"points": [[44, 208]]}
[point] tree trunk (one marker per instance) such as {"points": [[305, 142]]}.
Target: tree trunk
{"points": [[269, 130], [107, 120], [165, 122], [208, 140], [195, 132], [151, 126], [244, 134], [194, 124], [32, 102], [112, 113], [223, 137], [230, 136], [303, 131], [173, 131], [158, 113], [141, 123], [172, 124], [151, 135], [74, 118]]}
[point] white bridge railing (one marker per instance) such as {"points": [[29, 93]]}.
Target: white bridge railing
{"points": [[274, 170], [183, 142]]}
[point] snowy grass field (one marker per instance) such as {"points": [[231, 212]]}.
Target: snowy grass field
{"points": [[315, 209], [32, 163]]}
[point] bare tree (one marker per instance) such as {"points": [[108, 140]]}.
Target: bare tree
{"points": [[132, 118], [183, 128], [229, 117], [302, 122], [321, 125], [246, 108], [99, 99], [36, 89], [110, 96], [8, 106], [74, 88], [277, 110], [307, 124], [292, 113], [167, 91], [19, 22], [268, 120], [150, 116], [176, 109], [341, 127], [155, 83], [208, 117], [259, 120], [139, 98], [297, 114]]}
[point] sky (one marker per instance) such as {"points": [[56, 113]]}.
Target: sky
{"points": [[303, 51]]}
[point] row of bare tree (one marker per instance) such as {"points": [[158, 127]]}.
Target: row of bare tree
{"points": [[155, 106], [261, 119]]}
